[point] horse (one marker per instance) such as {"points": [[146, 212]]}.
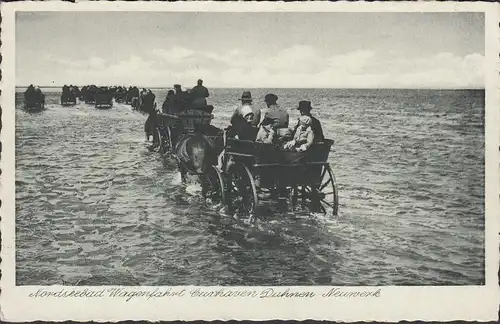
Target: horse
{"points": [[197, 152]]}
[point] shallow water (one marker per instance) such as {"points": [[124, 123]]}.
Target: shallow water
{"points": [[95, 207]]}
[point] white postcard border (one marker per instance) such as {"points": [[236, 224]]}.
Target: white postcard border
{"points": [[439, 303]]}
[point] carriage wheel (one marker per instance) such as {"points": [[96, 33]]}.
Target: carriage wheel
{"points": [[164, 140], [215, 186], [242, 194], [323, 196]]}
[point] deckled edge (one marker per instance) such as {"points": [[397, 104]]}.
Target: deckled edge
{"points": [[2, 316], [497, 89]]}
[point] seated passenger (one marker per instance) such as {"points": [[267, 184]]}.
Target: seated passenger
{"points": [[242, 127], [168, 106], [38, 95], [276, 113], [266, 132], [303, 137], [182, 99], [305, 110], [199, 91], [246, 101], [29, 93]]}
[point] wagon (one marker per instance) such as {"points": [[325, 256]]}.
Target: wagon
{"points": [[170, 127], [253, 173], [34, 105], [104, 101], [68, 99], [250, 174], [90, 97]]}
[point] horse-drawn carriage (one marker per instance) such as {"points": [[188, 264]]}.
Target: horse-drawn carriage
{"points": [[248, 173], [34, 105], [90, 97], [253, 172], [104, 100], [34, 100], [68, 99]]}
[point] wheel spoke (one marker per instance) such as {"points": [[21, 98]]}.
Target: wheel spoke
{"points": [[325, 184], [323, 173], [329, 205]]}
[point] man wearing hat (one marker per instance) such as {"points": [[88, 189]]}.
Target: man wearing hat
{"points": [[199, 91], [276, 113], [246, 101], [305, 110], [279, 117], [181, 98]]}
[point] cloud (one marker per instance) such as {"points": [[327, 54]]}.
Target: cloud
{"points": [[296, 66], [174, 54]]}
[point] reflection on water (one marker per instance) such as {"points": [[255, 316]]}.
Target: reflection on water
{"points": [[95, 207]]}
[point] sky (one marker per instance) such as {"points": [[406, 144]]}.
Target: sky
{"points": [[254, 50]]}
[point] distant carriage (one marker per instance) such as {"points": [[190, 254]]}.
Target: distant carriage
{"points": [[250, 170], [104, 100], [34, 105], [90, 97], [171, 127], [34, 102], [68, 99]]}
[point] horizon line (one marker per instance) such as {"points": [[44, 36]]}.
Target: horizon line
{"points": [[333, 88]]}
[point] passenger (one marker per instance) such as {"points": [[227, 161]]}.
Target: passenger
{"points": [[266, 132], [242, 127], [280, 118], [199, 91], [29, 94], [305, 110], [246, 101], [181, 98], [149, 102], [168, 106], [276, 113], [38, 95], [303, 137]]}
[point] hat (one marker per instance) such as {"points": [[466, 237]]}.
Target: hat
{"points": [[271, 98], [177, 86], [245, 110], [304, 104], [267, 121], [246, 96]]}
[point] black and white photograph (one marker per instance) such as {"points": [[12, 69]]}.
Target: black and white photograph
{"points": [[250, 148]]}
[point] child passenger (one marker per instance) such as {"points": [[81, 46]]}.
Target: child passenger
{"points": [[303, 137], [266, 132]]}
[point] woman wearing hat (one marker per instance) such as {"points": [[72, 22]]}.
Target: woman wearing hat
{"points": [[242, 125], [246, 101]]}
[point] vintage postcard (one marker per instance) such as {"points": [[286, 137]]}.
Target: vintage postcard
{"points": [[216, 161]]}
